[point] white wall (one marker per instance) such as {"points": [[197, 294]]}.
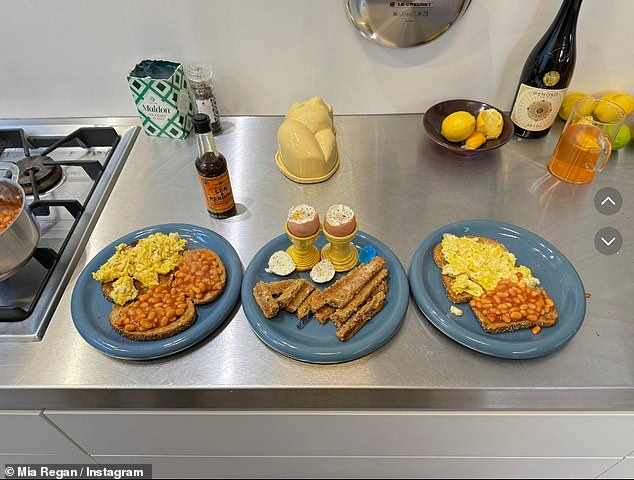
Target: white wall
{"points": [[71, 57]]}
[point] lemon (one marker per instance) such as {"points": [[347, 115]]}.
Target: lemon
{"points": [[490, 123], [585, 120], [473, 141], [622, 99], [570, 100], [457, 126], [587, 141], [622, 138], [606, 112]]}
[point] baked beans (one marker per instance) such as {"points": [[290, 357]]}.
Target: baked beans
{"points": [[198, 274], [513, 302], [8, 213], [158, 307]]}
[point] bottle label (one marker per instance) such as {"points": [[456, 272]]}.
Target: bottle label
{"points": [[551, 78], [535, 109], [208, 106], [218, 194]]}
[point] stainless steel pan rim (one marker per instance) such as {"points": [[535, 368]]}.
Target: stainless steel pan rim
{"points": [[19, 240], [403, 24]]}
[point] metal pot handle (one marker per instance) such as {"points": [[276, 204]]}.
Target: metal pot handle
{"points": [[12, 168]]}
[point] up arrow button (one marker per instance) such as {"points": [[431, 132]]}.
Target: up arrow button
{"points": [[608, 201]]}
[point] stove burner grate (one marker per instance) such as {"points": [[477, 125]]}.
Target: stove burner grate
{"points": [[39, 173], [45, 174]]}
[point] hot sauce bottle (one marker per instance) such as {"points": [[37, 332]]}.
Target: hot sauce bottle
{"points": [[212, 171]]}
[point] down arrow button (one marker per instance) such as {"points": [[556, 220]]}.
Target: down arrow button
{"points": [[608, 241]]}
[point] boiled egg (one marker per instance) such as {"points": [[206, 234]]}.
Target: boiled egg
{"points": [[323, 271], [302, 221], [340, 220], [281, 263]]}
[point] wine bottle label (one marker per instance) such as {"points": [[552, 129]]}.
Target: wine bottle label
{"points": [[535, 109], [551, 78], [218, 194]]}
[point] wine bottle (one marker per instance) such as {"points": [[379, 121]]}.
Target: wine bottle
{"points": [[546, 75]]}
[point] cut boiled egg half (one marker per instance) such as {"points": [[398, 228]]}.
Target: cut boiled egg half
{"points": [[281, 263], [323, 271]]}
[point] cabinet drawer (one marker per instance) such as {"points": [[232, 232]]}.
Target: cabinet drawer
{"points": [[321, 433], [368, 467], [29, 432], [624, 469]]}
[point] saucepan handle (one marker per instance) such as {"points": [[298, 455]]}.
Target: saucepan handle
{"points": [[11, 168]]}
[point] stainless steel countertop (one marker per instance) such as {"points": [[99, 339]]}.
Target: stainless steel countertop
{"points": [[402, 187]]}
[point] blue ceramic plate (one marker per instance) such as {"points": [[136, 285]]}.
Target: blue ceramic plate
{"points": [[317, 343], [90, 309], [557, 275]]}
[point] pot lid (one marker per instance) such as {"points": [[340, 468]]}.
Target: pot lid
{"points": [[401, 24]]}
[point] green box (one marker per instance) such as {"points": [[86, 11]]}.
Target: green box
{"points": [[159, 89]]}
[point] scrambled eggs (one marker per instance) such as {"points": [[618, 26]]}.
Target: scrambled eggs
{"points": [[478, 266], [156, 254], [456, 311], [123, 290]]}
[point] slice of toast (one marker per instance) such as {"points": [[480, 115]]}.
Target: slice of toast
{"points": [[366, 292], [323, 314], [287, 296], [448, 280], [164, 279], [343, 290], [306, 306], [361, 317], [216, 276], [185, 321], [304, 291], [265, 300], [499, 326]]}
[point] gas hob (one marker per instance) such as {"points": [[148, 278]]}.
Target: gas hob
{"points": [[67, 170]]}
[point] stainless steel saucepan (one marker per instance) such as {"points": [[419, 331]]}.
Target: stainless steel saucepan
{"points": [[400, 24], [19, 240]]}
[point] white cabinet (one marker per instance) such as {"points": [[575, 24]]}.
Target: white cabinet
{"points": [[28, 437], [371, 467], [29, 432], [354, 433], [623, 469]]}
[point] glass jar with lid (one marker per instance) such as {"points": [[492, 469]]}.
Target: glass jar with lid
{"points": [[201, 88]]}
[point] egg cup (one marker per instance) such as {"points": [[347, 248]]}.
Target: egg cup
{"points": [[340, 251], [303, 253]]}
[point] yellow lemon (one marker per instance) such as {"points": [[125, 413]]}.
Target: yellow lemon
{"points": [[608, 112], [622, 99], [473, 141], [457, 126], [570, 100], [587, 141], [490, 123], [585, 120]]}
